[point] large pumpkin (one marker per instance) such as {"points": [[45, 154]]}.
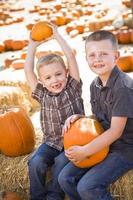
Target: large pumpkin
{"points": [[81, 132], [17, 136], [41, 31]]}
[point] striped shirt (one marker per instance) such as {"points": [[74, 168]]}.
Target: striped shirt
{"points": [[55, 109]]}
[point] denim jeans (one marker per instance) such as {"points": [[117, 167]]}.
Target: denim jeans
{"points": [[38, 165], [92, 183]]}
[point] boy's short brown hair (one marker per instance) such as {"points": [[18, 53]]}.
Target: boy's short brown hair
{"points": [[102, 35], [48, 59]]}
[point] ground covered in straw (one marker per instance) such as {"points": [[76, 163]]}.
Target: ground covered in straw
{"points": [[14, 177]]}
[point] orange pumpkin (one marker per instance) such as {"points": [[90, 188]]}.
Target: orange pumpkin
{"points": [[18, 64], [17, 44], [41, 31], [2, 47], [124, 37], [126, 63], [60, 19], [7, 195], [8, 44], [17, 136], [8, 61], [81, 132]]}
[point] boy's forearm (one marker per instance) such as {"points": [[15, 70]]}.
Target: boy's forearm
{"points": [[29, 63], [71, 59], [64, 45]]}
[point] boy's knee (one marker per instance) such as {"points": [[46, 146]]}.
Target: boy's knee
{"points": [[61, 160], [62, 179], [81, 189], [90, 191], [36, 163]]}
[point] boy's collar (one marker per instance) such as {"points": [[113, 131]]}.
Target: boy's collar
{"points": [[115, 72]]}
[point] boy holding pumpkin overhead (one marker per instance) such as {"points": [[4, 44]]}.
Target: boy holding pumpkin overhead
{"points": [[112, 104], [58, 90]]}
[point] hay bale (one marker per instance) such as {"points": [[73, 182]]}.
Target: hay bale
{"points": [[122, 189], [16, 78], [14, 176], [13, 96]]}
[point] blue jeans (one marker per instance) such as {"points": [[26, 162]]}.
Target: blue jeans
{"points": [[92, 183], [41, 160]]}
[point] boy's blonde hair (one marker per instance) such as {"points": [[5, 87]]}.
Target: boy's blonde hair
{"points": [[48, 59], [102, 35]]}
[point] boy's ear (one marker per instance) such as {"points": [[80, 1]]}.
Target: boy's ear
{"points": [[67, 71], [117, 55]]}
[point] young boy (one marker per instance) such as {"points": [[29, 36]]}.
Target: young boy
{"points": [[112, 104], [58, 91]]}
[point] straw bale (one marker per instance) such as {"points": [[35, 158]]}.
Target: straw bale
{"points": [[14, 176], [10, 96], [122, 189], [11, 77]]}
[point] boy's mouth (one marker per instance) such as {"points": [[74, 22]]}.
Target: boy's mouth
{"points": [[98, 65], [56, 86]]}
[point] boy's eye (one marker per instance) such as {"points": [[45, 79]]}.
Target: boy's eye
{"points": [[104, 54], [58, 74], [91, 55], [47, 78]]}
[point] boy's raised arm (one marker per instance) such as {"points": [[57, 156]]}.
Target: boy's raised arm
{"points": [[72, 63], [29, 64]]}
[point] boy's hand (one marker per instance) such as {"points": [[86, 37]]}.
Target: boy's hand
{"points": [[53, 26], [34, 43], [76, 154], [69, 121], [55, 30]]}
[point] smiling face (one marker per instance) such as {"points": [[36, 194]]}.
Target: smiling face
{"points": [[101, 57], [53, 76]]}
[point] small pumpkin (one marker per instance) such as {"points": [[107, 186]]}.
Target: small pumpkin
{"points": [[81, 132], [17, 135], [124, 37], [8, 195], [60, 19], [8, 61], [41, 31], [18, 64], [2, 47], [8, 44], [17, 44]]}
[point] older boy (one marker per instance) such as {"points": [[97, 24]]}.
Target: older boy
{"points": [[112, 105]]}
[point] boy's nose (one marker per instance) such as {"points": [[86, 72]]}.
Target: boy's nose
{"points": [[98, 57], [54, 79]]}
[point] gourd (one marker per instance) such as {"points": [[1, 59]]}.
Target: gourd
{"points": [[41, 31], [17, 136], [81, 132]]}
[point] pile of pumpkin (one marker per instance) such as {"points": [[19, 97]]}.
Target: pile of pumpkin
{"points": [[12, 44], [6, 18]]}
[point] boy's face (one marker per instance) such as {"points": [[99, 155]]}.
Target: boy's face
{"points": [[101, 57], [53, 76]]}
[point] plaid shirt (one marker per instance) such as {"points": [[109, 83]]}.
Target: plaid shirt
{"points": [[55, 109]]}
